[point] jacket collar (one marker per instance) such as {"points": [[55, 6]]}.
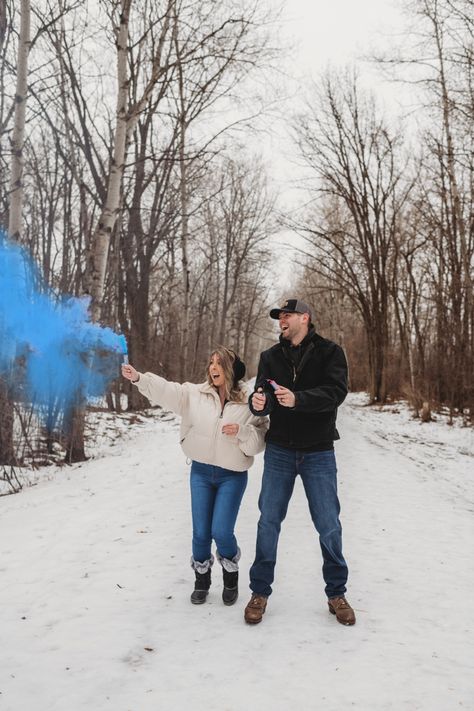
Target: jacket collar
{"points": [[210, 390], [306, 347], [304, 343]]}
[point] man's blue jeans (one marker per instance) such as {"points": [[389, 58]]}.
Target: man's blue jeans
{"points": [[318, 473], [216, 494]]}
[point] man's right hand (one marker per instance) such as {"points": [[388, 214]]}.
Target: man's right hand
{"points": [[258, 400]]}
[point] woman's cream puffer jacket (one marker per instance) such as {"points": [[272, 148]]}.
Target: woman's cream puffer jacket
{"points": [[202, 421]]}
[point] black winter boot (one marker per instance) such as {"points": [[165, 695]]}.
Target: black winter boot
{"points": [[230, 592], [201, 587]]}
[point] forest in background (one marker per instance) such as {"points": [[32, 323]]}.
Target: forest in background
{"points": [[126, 170]]}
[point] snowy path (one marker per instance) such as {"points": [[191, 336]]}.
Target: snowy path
{"points": [[95, 583]]}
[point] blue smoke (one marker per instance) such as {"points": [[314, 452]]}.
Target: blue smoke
{"points": [[51, 355]]}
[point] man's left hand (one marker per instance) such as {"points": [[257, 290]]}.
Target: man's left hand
{"points": [[285, 397]]}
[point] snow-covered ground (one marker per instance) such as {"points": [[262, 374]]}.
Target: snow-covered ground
{"points": [[95, 583]]}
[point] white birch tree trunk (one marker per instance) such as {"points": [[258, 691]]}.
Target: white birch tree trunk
{"points": [[126, 119], [18, 136], [184, 204], [3, 22], [108, 217]]}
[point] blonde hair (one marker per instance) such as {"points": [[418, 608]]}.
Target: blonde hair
{"points": [[233, 393]]}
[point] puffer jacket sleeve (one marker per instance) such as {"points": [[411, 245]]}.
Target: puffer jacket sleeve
{"points": [[251, 436], [159, 391]]}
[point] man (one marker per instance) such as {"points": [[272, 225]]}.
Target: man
{"points": [[301, 381]]}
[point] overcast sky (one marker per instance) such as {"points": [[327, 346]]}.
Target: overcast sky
{"points": [[338, 31]]}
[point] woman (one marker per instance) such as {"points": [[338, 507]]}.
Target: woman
{"points": [[220, 435]]}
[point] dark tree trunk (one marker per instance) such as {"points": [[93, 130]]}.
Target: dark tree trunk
{"points": [[74, 426], [7, 451]]}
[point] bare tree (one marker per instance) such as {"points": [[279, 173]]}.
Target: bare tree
{"points": [[126, 117], [356, 166], [453, 152], [16, 198], [438, 57], [117, 162]]}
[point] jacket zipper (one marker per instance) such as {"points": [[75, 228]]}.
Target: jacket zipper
{"points": [[297, 371], [303, 361], [216, 431], [222, 410]]}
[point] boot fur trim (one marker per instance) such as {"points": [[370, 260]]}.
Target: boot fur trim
{"points": [[231, 565], [202, 567]]}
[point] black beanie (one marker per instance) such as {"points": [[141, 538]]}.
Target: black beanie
{"points": [[239, 369]]}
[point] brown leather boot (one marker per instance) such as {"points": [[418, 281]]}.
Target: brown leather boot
{"points": [[255, 609], [340, 607]]}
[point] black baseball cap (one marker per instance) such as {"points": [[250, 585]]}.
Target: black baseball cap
{"points": [[292, 306]]}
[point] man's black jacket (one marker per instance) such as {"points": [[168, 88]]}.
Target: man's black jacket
{"points": [[320, 386]]}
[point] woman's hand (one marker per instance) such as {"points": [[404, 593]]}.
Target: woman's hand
{"points": [[129, 372], [231, 430]]}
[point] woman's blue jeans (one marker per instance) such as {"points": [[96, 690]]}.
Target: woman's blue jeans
{"points": [[216, 494], [318, 473]]}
